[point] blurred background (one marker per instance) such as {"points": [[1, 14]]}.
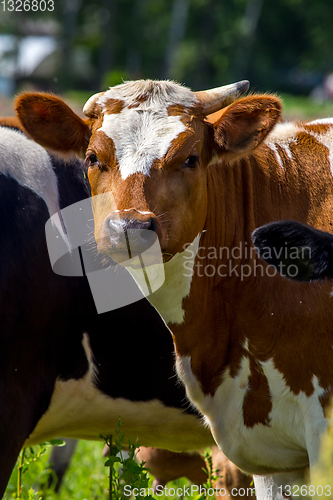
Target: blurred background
{"points": [[83, 46]]}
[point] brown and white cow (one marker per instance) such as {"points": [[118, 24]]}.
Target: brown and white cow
{"points": [[254, 350]]}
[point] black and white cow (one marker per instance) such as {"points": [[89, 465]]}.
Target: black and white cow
{"points": [[64, 369]]}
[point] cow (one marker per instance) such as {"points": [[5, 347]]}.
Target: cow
{"points": [[62, 361], [66, 370], [244, 339], [296, 250]]}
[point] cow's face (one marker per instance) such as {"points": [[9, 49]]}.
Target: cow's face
{"points": [[148, 147], [153, 158]]}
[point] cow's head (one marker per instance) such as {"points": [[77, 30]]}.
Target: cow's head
{"points": [[297, 251], [148, 143]]}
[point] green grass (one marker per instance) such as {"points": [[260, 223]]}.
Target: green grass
{"points": [[86, 478], [303, 108]]}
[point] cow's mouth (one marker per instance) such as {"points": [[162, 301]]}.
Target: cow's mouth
{"points": [[132, 248]]}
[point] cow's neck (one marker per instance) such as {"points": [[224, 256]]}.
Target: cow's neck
{"points": [[224, 309], [168, 299]]}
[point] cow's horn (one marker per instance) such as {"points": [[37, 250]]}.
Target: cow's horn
{"points": [[215, 99], [89, 107]]}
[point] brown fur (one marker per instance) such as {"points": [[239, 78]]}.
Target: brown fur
{"points": [[113, 106]]}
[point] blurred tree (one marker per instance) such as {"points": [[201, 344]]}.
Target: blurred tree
{"points": [[134, 48], [248, 27], [283, 45], [179, 16], [70, 11]]}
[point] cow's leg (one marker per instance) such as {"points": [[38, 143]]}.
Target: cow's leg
{"points": [[59, 462], [232, 482], [22, 403], [278, 486]]}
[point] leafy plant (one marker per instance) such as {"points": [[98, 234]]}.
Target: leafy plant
{"points": [[26, 458], [124, 470], [212, 476]]}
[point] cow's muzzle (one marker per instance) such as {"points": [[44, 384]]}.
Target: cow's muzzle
{"points": [[125, 238]]}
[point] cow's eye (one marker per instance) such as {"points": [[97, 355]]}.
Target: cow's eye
{"points": [[191, 161], [91, 160]]}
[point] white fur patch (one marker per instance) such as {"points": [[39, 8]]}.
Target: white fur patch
{"points": [[133, 210], [79, 410], [288, 442], [278, 486], [144, 133], [321, 121], [326, 139], [141, 138], [283, 134], [150, 94], [29, 164], [168, 299]]}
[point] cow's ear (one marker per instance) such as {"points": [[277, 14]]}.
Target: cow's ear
{"points": [[52, 123], [245, 124], [297, 251]]}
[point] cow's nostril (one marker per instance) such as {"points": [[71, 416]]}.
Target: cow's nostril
{"points": [[147, 229], [153, 225], [149, 224], [114, 225]]}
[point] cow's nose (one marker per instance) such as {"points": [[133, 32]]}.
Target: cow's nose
{"points": [[120, 225], [137, 234]]}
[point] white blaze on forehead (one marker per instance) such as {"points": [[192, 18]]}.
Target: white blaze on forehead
{"points": [[140, 138], [143, 131]]}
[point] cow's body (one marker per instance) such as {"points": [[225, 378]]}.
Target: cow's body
{"points": [[50, 384], [253, 350], [253, 372]]}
